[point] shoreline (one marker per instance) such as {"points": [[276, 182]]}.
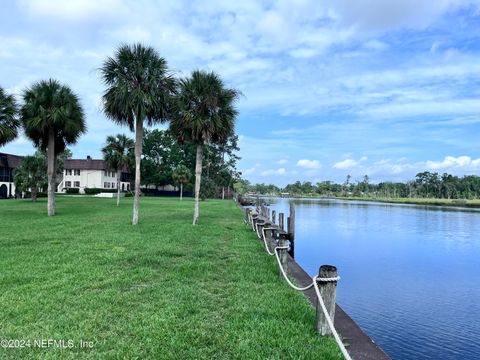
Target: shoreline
{"points": [[460, 203]]}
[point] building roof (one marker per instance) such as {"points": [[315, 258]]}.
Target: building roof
{"points": [[9, 160], [87, 164]]}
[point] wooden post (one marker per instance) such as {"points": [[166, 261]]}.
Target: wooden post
{"points": [[328, 290], [247, 215], [260, 226], [291, 230], [280, 221], [267, 214], [274, 213], [254, 221], [269, 236], [282, 255]]}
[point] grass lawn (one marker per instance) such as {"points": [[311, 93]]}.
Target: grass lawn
{"points": [[419, 201], [161, 290]]}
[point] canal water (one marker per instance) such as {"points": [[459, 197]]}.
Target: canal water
{"points": [[410, 274]]}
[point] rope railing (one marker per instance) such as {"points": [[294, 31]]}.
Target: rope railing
{"points": [[314, 283]]}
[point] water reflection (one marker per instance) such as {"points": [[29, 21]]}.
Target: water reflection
{"points": [[409, 273]]}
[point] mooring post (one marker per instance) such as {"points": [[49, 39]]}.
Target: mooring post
{"points": [[282, 254], [274, 213], [254, 218], [280, 221], [260, 226], [247, 215], [291, 230], [328, 290], [267, 214]]}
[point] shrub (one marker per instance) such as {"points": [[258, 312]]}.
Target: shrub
{"points": [[95, 191], [72, 191]]}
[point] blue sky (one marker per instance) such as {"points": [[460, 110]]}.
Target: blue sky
{"points": [[386, 88]]}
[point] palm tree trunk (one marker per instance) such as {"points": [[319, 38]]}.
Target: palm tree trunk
{"points": [[138, 156], [51, 173], [181, 191], [198, 178], [119, 173], [34, 194], [223, 192]]}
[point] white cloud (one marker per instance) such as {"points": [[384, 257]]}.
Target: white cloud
{"points": [[309, 164], [452, 162], [345, 164], [281, 161], [273, 172], [71, 10]]}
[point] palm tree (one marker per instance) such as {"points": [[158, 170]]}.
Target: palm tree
{"points": [[52, 118], [31, 174], [117, 155], [205, 113], [181, 175], [9, 122], [139, 89]]}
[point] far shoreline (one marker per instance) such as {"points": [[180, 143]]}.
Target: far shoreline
{"points": [[460, 203]]}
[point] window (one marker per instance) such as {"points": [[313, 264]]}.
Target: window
{"points": [[68, 184], [76, 184], [113, 185], [76, 172], [111, 174], [105, 185], [68, 172], [105, 173]]}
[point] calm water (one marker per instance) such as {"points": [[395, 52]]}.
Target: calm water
{"points": [[410, 274]]}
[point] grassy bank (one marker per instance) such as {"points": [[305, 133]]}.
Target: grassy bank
{"points": [[161, 290], [420, 201]]}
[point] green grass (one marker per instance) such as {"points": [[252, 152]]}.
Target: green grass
{"points": [[419, 201], [161, 290]]}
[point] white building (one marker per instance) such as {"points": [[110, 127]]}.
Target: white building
{"points": [[8, 163], [90, 173]]}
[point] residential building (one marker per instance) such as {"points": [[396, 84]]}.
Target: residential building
{"points": [[8, 163], [91, 173]]}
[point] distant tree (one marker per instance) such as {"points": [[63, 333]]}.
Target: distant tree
{"points": [[139, 88], [31, 174], [117, 153], [205, 113], [9, 122], [52, 118], [181, 176]]}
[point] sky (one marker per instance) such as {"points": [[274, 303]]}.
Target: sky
{"points": [[386, 88]]}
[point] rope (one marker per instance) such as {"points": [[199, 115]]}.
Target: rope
{"points": [[314, 284], [283, 271], [265, 241], [329, 320]]}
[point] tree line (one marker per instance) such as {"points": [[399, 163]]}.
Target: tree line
{"points": [[140, 91], [425, 185]]}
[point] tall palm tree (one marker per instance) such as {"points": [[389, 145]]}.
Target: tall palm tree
{"points": [[205, 113], [52, 118], [117, 155], [139, 89], [181, 176], [9, 122]]}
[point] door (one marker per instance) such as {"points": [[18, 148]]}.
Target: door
{"points": [[3, 191]]}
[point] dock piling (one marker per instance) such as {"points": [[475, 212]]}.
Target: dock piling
{"points": [[328, 290], [291, 230]]}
